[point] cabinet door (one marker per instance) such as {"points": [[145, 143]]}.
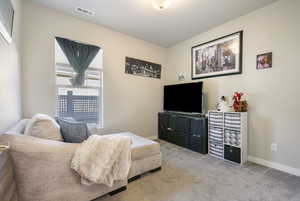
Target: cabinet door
{"points": [[182, 139], [163, 125], [182, 131], [171, 133], [199, 127], [182, 124], [198, 144], [232, 153], [172, 122], [171, 136]]}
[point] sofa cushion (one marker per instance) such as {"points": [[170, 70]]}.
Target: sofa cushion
{"points": [[141, 147], [43, 126], [72, 131]]}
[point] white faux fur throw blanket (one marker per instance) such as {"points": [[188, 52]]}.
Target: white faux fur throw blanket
{"points": [[103, 159]]}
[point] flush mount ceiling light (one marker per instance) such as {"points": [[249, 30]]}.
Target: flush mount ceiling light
{"points": [[161, 4]]}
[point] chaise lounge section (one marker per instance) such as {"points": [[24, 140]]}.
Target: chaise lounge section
{"points": [[42, 167]]}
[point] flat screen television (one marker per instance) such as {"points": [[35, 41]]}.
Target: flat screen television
{"points": [[183, 97]]}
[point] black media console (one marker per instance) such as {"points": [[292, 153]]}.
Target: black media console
{"points": [[185, 130]]}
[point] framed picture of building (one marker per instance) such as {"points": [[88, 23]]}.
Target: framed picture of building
{"points": [[142, 68], [219, 57], [6, 20]]}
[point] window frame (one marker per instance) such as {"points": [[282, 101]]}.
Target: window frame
{"points": [[100, 124]]}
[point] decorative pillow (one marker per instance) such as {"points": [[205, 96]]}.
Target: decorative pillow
{"points": [[72, 131], [43, 126]]}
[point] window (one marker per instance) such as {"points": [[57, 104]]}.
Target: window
{"points": [[84, 103]]}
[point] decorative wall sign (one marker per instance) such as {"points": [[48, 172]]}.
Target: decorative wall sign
{"points": [[142, 68], [219, 57], [264, 61], [6, 19]]}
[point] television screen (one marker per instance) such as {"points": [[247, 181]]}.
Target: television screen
{"points": [[183, 97]]}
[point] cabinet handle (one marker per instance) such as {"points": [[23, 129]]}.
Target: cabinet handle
{"points": [[170, 129]]}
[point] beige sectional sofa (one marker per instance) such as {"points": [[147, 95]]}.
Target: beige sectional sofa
{"points": [[8, 188], [43, 173]]}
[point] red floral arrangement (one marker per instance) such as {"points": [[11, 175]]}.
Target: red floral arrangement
{"points": [[238, 104]]}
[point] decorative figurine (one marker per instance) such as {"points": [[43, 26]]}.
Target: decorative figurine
{"points": [[238, 104], [223, 105]]}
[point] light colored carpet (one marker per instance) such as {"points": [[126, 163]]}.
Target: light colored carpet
{"points": [[189, 176]]}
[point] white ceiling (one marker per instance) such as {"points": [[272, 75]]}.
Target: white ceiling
{"points": [[184, 19]]}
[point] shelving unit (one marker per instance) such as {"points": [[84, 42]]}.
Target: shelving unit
{"points": [[227, 135]]}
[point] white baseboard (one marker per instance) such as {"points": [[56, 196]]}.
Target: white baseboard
{"points": [[154, 137], [277, 166]]}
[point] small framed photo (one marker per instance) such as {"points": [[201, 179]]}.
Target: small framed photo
{"points": [[264, 61]]}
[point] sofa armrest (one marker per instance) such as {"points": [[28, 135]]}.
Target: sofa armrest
{"points": [[19, 127], [42, 167]]}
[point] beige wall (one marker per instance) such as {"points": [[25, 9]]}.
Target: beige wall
{"points": [[273, 94], [10, 70], [131, 103]]}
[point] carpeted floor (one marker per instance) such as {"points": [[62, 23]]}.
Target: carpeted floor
{"points": [[189, 176]]}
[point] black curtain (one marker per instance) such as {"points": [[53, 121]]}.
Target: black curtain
{"points": [[79, 56]]}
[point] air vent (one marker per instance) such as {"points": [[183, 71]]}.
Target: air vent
{"points": [[85, 11]]}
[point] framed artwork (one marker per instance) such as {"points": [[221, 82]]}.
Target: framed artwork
{"points": [[219, 57], [6, 19], [264, 61], [142, 68]]}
